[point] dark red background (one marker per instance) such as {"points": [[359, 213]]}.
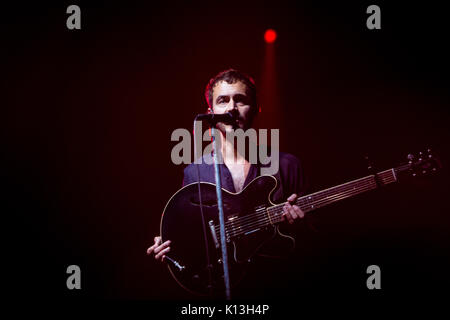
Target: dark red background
{"points": [[88, 114]]}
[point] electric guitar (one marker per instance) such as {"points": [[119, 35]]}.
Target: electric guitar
{"points": [[251, 221]]}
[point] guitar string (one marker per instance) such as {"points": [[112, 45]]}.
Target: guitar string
{"points": [[365, 183], [369, 179], [306, 201], [244, 225], [244, 228], [304, 198], [248, 227], [307, 204], [277, 218], [310, 198], [232, 226], [266, 220], [386, 177]]}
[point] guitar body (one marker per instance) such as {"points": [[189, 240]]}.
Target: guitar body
{"points": [[182, 224]]}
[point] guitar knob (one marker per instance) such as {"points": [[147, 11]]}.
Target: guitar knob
{"points": [[410, 157]]}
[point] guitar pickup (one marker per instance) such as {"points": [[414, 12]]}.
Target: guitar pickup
{"points": [[213, 233]]}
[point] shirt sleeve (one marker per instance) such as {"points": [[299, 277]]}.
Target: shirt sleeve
{"points": [[187, 176], [292, 175]]}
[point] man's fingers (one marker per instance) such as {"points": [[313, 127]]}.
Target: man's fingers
{"points": [[162, 246], [150, 249], [292, 212], [292, 197], [157, 246], [157, 240], [288, 213], [298, 212], [289, 217], [161, 253]]}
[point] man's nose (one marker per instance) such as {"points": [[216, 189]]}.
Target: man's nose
{"points": [[231, 105]]}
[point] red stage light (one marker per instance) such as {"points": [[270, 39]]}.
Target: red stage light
{"points": [[270, 36]]}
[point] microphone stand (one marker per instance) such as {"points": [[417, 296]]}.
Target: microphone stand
{"points": [[217, 150]]}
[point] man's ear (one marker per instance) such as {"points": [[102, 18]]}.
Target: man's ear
{"points": [[255, 111]]}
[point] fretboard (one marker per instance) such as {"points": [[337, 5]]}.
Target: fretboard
{"points": [[262, 217], [346, 190]]}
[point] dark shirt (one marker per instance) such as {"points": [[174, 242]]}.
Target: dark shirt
{"points": [[283, 273], [289, 175]]}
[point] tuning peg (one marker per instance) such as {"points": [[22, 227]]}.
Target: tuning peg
{"points": [[410, 157], [369, 162]]}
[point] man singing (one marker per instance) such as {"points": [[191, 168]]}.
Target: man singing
{"points": [[235, 92]]}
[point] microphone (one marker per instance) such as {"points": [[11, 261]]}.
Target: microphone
{"points": [[212, 118]]}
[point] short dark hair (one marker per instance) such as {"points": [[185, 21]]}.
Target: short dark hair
{"points": [[232, 76]]}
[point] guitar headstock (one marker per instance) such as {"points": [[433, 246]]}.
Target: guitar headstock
{"points": [[421, 164]]}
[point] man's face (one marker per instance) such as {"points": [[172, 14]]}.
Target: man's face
{"points": [[232, 98]]}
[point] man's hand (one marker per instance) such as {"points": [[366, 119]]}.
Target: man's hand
{"points": [[292, 212], [158, 249]]}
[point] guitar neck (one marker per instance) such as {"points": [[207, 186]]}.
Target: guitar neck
{"points": [[328, 196], [262, 217]]}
